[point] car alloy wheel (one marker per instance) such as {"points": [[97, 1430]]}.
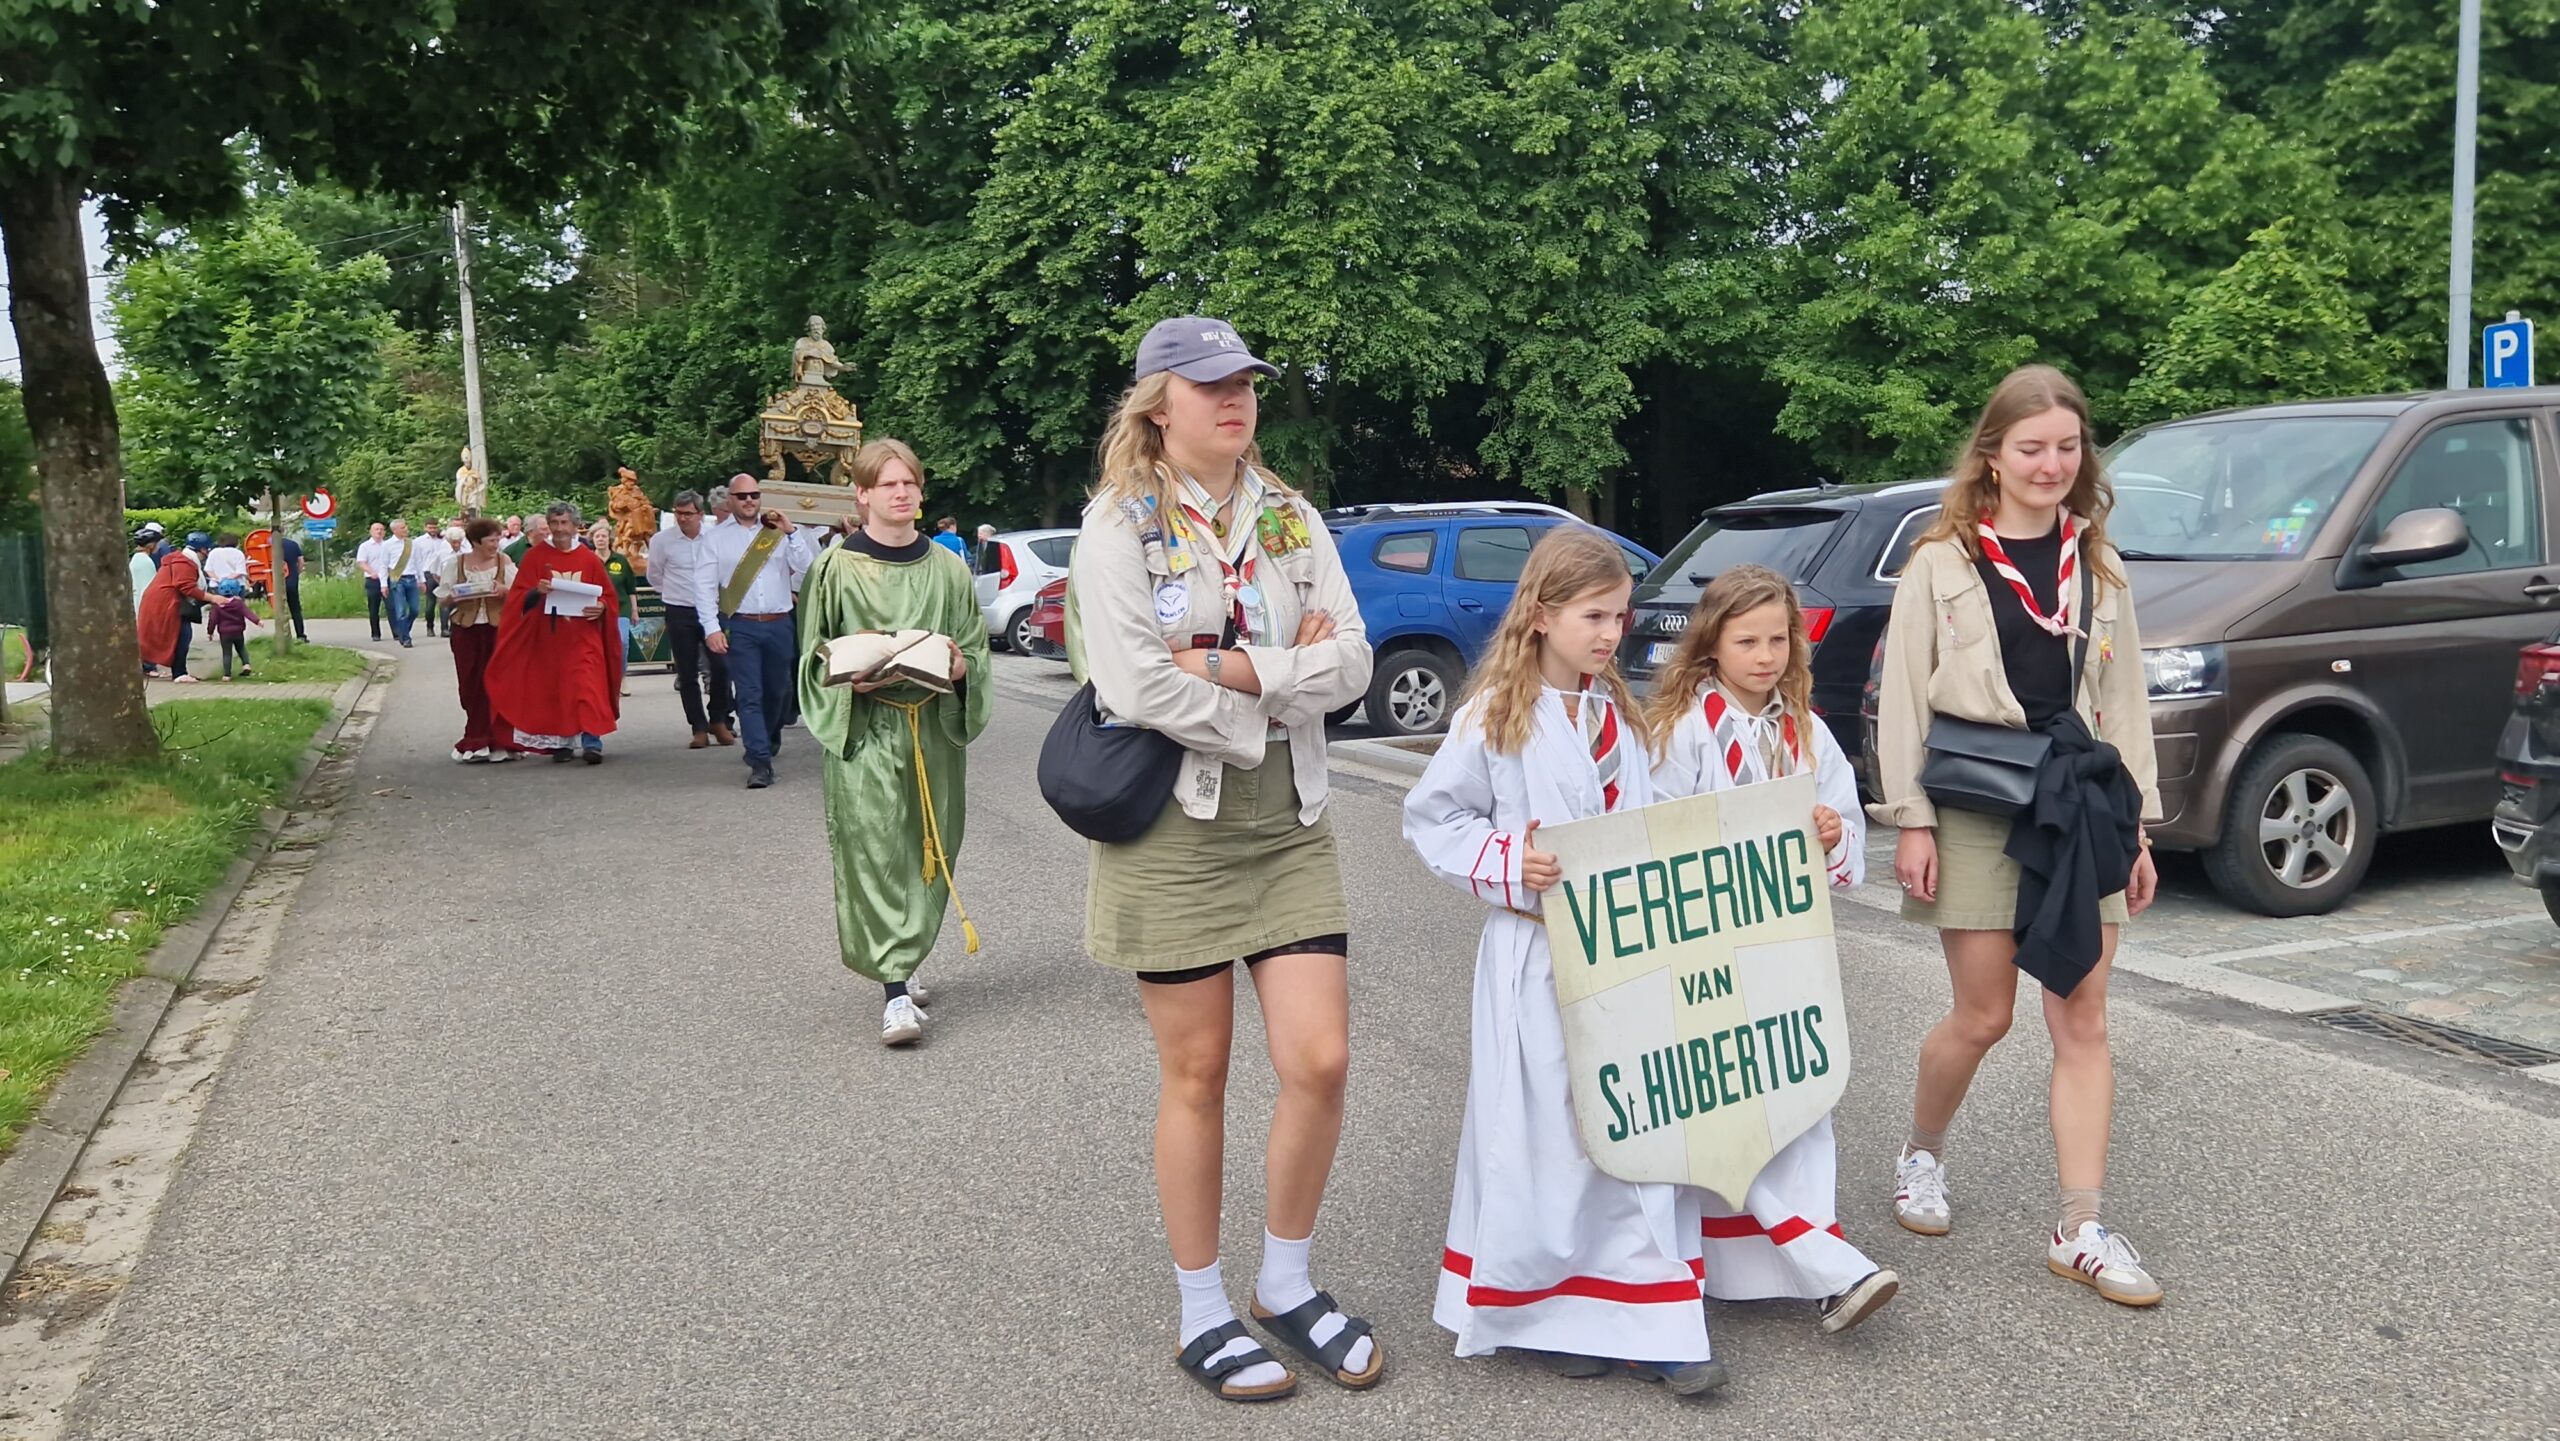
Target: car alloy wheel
{"points": [[1417, 698], [2308, 830], [1020, 634]]}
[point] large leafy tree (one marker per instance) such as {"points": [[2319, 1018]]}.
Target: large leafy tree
{"points": [[252, 363], [142, 105]]}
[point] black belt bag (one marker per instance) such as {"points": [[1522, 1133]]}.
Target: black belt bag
{"points": [[1991, 769], [1108, 783]]}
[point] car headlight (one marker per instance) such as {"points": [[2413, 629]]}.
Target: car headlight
{"points": [[2183, 672]]}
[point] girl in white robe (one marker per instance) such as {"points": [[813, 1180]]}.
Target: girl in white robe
{"points": [[1545, 1253], [1734, 708]]}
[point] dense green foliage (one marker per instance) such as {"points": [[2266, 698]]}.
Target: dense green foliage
{"points": [[1635, 254]]}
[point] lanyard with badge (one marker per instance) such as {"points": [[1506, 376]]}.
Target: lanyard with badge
{"points": [[1231, 549]]}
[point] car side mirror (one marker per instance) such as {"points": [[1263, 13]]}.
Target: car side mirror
{"points": [[2416, 537]]}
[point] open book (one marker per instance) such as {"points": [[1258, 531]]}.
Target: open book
{"points": [[918, 656]]}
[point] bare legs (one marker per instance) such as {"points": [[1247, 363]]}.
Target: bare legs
{"points": [[1981, 964], [1306, 1011]]}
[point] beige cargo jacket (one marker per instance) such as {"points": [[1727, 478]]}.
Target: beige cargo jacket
{"points": [[1942, 657], [1132, 601]]}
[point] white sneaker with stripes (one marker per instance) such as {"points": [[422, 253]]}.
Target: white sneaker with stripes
{"points": [[2105, 1262], [1920, 1194]]}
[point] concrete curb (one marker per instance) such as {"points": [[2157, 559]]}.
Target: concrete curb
{"points": [[34, 1172], [1381, 755]]}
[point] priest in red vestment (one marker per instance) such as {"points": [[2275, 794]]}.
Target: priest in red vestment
{"points": [[555, 681]]}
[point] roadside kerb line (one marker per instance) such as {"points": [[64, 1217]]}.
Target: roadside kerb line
{"points": [[50, 1146]]}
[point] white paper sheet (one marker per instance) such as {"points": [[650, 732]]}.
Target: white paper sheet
{"points": [[569, 596]]}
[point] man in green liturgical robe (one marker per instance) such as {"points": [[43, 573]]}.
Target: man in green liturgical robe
{"points": [[896, 768]]}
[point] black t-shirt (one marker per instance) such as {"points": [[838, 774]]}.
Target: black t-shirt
{"points": [[2038, 664]]}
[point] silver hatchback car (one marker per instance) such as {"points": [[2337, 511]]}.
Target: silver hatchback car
{"points": [[1011, 569]]}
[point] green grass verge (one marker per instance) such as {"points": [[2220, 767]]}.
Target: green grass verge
{"points": [[13, 654], [339, 597], [304, 664], [96, 861]]}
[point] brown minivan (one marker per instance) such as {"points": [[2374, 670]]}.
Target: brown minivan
{"points": [[2331, 597]]}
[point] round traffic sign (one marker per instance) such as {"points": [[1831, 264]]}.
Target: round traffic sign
{"points": [[320, 505]]}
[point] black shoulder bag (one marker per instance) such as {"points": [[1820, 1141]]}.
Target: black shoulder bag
{"points": [[1107, 782], [1991, 769]]}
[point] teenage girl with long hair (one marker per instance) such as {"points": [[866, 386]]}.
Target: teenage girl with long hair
{"points": [[1986, 622], [1208, 605], [1546, 1253], [1735, 708]]}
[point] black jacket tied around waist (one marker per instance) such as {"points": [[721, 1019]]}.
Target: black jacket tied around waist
{"points": [[2075, 844]]}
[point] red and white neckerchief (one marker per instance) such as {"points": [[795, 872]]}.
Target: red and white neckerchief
{"points": [[2059, 623], [1232, 548], [1772, 739], [1770, 736], [1600, 730]]}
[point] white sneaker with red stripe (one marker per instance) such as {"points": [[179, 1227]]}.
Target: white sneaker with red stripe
{"points": [[1920, 1194], [2106, 1262]]}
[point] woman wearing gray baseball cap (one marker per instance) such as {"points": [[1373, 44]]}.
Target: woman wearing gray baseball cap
{"points": [[1209, 606]]}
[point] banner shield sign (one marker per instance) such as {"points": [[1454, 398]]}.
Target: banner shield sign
{"points": [[1698, 981]]}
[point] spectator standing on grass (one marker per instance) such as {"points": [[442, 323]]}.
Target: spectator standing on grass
{"points": [[166, 622], [145, 562], [373, 563], [286, 573], [226, 566], [229, 618]]}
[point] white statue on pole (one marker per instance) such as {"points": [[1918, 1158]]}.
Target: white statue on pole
{"points": [[470, 490]]}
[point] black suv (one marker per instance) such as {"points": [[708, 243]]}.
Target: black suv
{"points": [[1842, 547]]}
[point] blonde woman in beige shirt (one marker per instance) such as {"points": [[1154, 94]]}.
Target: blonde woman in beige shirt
{"points": [[1985, 620]]}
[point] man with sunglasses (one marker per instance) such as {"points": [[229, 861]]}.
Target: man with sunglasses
{"points": [[746, 578]]}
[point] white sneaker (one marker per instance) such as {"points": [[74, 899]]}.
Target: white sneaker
{"points": [[2106, 1262], [464, 757], [1920, 1194], [497, 757], [902, 1023]]}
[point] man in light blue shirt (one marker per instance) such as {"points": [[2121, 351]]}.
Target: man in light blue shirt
{"points": [[753, 628]]}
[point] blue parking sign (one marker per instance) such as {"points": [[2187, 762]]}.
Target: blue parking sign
{"points": [[2506, 353], [320, 529]]}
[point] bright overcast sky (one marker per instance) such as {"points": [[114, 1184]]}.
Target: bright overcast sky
{"points": [[95, 231]]}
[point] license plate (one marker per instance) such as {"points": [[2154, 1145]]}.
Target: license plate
{"points": [[1658, 654]]}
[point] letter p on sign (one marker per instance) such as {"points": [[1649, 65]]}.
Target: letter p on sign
{"points": [[2507, 353]]}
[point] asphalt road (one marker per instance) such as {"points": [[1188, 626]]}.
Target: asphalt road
{"points": [[558, 1118]]}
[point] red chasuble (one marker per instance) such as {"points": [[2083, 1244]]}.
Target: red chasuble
{"points": [[556, 674]]}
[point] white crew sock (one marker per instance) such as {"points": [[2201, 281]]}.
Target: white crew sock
{"points": [[1205, 1307], [1284, 1287]]}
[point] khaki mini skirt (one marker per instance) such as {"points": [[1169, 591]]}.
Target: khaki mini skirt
{"points": [[1977, 882], [1193, 893]]}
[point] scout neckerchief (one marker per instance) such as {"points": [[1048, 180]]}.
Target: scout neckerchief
{"points": [[1231, 546], [1600, 730], [1770, 737], [1775, 743], [2059, 623], [750, 565]]}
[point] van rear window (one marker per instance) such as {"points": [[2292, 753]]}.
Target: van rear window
{"points": [[1786, 541]]}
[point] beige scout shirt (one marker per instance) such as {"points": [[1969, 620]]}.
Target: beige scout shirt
{"points": [[1942, 657], [1132, 611]]}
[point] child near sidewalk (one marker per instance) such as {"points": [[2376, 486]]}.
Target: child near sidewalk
{"points": [[1546, 1253], [1734, 708], [229, 617]]}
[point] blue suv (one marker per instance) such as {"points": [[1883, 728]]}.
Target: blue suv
{"points": [[1433, 582]]}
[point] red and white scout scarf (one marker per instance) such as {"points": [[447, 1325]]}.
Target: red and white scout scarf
{"points": [[1232, 548], [1739, 736], [1600, 729], [2059, 623]]}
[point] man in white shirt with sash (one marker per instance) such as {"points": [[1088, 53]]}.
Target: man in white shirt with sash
{"points": [[400, 580], [744, 583], [674, 557], [375, 565]]}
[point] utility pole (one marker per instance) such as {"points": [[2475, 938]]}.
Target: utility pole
{"points": [[2466, 136], [470, 342]]}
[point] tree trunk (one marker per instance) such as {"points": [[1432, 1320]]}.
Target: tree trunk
{"points": [[280, 619], [98, 710]]}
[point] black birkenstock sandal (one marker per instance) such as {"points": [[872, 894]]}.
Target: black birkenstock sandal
{"points": [[1195, 1363], [1292, 1327]]}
